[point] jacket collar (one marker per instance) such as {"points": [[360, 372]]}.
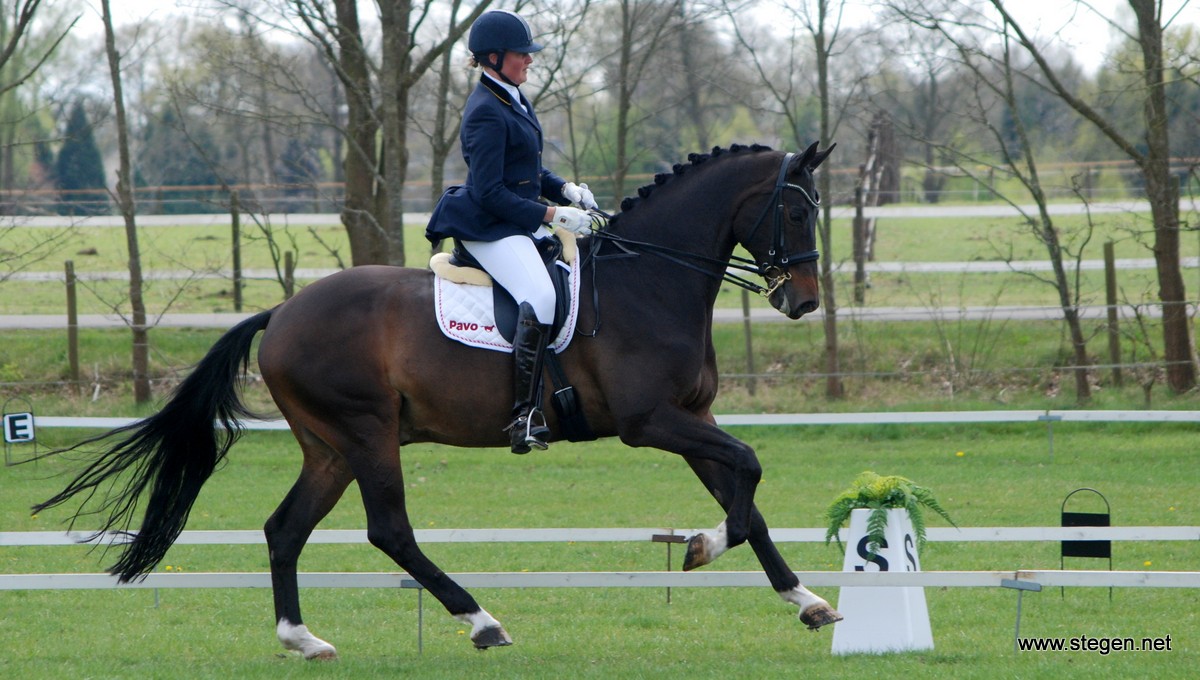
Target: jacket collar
{"points": [[510, 92], [505, 96]]}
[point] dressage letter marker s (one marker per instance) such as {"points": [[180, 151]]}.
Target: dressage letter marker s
{"points": [[882, 618]]}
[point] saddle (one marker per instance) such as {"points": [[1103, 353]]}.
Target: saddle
{"points": [[461, 303], [467, 304]]}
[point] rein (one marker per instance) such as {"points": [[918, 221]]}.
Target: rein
{"points": [[774, 270]]}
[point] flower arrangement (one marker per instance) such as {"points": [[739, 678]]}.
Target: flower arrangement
{"points": [[879, 494]]}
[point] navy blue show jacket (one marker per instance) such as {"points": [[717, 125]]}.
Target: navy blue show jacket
{"points": [[502, 146]]}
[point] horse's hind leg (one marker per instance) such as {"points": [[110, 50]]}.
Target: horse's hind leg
{"points": [[389, 529], [814, 610], [323, 478]]}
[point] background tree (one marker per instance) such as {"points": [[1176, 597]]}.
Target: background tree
{"points": [[1150, 149], [803, 94], [79, 170], [171, 161], [125, 199]]}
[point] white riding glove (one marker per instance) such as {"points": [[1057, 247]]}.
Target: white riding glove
{"points": [[579, 193], [572, 219]]}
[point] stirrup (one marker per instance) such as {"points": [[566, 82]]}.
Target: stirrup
{"points": [[527, 434]]}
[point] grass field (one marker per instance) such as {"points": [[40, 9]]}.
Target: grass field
{"points": [[1005, 477]]}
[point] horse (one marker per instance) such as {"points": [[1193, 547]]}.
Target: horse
{"points": [[358, 368]]}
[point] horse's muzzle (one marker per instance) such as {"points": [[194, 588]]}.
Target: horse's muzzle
{"points": [[797, 297]]}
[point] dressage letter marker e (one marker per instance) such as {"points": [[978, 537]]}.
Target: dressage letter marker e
{"points": [[18, 428], [882, 618]]}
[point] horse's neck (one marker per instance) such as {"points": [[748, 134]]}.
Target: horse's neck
{"points": [[683, 224], [702, 238]]}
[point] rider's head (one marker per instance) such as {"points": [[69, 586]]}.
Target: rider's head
{"points": [[496, 33]]}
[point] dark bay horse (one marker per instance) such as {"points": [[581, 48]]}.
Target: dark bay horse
{"points": [[357, 366]]}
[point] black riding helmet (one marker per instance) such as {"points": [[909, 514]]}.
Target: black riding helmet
{"points": [[500, 31]]}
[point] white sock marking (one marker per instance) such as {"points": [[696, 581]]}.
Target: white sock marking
{"points": [[479, 621], [298, 639], [802, 597]]}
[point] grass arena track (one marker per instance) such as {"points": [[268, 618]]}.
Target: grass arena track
{"points": [[1004, 477]]}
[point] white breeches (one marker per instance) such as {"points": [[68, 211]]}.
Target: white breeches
{"points": [[515, 264]]}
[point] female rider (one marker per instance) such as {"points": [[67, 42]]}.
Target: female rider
{"points": [[496, 215]]}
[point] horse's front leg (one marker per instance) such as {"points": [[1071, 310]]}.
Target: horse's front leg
{"points": [[693, 437], [814, 610]]}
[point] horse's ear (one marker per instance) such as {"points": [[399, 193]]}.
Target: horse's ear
{"points": [[811, 158], [818, 158], [804, 160]]}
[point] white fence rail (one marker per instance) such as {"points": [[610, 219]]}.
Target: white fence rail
{"points": [[878, 418], [625, 579], [705, 579], [10, 539]]}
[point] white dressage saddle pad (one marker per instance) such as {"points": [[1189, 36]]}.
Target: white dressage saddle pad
{"points": [[464, 310]]}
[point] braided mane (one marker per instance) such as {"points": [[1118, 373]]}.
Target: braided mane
{"points": [[679, 169]]}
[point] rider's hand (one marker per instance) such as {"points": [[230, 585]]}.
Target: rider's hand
{"points": [[579, 193], [572, 219]]}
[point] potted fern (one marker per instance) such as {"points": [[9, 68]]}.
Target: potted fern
{"points": [[887, 533], [878, 494]]}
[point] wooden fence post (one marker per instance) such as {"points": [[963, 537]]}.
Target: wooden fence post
{"points": [[859, 244], [752, 382], [289, 276], [235, 210], [1110, 299], [72, 325]]}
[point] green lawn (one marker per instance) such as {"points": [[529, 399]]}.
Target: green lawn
{"points": [[1005, 477]]}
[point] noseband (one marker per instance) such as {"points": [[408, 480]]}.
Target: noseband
{"points": [[774, 270]]}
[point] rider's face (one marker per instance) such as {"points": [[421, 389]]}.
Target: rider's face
{"points": [[516, 66]]}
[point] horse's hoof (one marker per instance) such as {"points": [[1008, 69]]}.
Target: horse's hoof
{"points": [[323, 655], [697, 553], [819, 615], [495, 636]]}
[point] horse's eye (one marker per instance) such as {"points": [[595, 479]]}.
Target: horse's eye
{"points": [[797, 213]]}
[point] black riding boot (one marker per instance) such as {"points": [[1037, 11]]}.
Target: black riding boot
{"points": [[528, 428]]}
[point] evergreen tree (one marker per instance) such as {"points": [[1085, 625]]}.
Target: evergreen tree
{"points": [[79, 171], [299, 171], [170, 161]]}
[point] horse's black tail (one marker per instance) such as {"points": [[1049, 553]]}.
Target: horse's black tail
{"points": [[171, 454]]}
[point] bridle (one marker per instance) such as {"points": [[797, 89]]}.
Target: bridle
{"points": [[774, 270]]}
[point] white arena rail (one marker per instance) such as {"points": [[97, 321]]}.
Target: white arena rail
{"points": [[877, 418], [629, 579], [608, 535], [1010, 579]]}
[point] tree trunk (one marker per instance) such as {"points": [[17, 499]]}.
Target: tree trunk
{"points": [[694, 87], [834, 388], [624, 99], [368, 242], [393, 94], [141, 343], [441, 140], [1163, 194]]}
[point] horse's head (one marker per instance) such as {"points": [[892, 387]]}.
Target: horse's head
{"points": [[780, 232]]}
